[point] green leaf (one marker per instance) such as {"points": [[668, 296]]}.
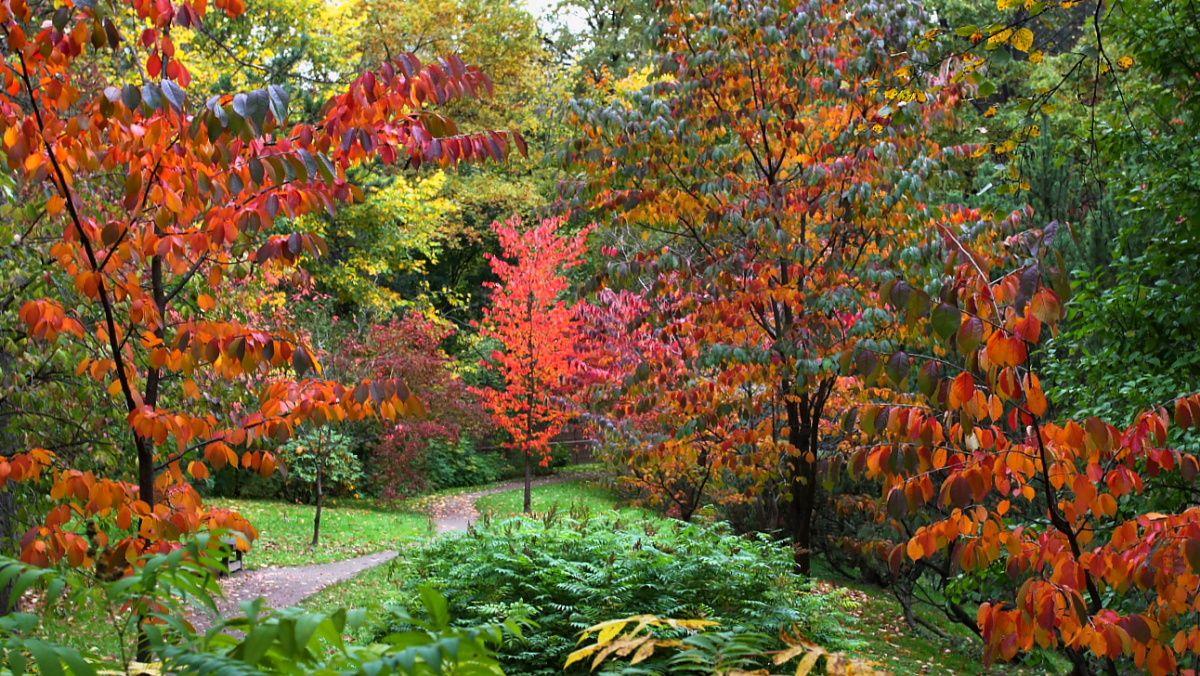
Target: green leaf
{"points": [[945, 319]]}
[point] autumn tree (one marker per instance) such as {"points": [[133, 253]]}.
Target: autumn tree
{"points": [[161, 201], [767, 170], [536, 327], [438, 256], [677, 453], [412, 350], [975, 466]]}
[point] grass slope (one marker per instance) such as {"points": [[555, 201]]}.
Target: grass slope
{"points": [[583, 494], [349, 528], [882, 637]]}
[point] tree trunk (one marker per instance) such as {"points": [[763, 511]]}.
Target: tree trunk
{"points": [[8, 524], [528, 484], [803, 502], [145, 455], [317, 516], [803, 485]]}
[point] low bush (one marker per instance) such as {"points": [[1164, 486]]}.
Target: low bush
{"points": [[451, 464], [256, 640], [320, 454], [570, 573]]}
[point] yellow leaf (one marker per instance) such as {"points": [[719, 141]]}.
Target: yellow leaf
{"points": [[643, 652], [610, 632], [580, 654], [790, 653], [1022, 39], [806, 665], [692, 624], [1000, 38], [1125, 62]]}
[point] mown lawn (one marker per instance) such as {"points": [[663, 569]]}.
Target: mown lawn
{"points": [[349, 528], [583, 494]]}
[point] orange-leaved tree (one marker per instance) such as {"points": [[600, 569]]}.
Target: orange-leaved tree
{"points": [[536, 327], [158, 202], [766, 172], [975, 465], [677, 452]]}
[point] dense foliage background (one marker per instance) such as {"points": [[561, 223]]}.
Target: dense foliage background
{"points": [[803, 276]]}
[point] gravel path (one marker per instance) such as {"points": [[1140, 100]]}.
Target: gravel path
{"points": [[287, 586]]}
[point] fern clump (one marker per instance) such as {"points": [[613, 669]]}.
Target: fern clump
{"points": [[569, 573]]}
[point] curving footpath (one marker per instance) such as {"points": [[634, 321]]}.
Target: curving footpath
{"points": [[287, 586]]}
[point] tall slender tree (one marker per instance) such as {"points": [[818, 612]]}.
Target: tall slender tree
{"points": [[537, 328]]}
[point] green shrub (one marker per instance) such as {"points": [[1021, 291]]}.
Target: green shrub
{"points": [[450, 464], [323, 452], [343, 473], [569, 573]]}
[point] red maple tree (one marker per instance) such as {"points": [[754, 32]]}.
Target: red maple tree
{"points": [[410, 349], [537, 329]]}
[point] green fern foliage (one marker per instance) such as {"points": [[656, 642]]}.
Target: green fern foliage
{"points": [[569, 573]]}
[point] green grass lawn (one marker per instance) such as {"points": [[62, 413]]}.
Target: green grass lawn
{"points": [[571, 495], [349, 528]]}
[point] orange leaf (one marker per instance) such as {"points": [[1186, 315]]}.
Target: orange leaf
{"points": [[1006, 350], [962, 389]]}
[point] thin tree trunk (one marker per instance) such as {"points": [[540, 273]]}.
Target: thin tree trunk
{"points": [[8, 513], [528, 483], [804, 494], [145, 456], [320, 500], [803, 485], [529, 416]]}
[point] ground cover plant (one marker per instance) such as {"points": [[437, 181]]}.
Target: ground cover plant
{"points": [[573, 571]]}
